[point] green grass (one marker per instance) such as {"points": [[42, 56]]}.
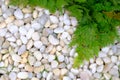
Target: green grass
{"points": [[97, 21]]}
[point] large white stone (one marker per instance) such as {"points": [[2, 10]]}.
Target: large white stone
{"points": [[22, 75], [53, 40], [54, 19], [38, 55], [38, 44], [18, 14], [29, 33]]}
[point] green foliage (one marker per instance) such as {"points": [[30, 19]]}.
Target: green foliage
{"points": [[97, 21]]}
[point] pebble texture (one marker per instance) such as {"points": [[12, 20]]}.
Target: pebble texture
{"points": [[34, 46]]}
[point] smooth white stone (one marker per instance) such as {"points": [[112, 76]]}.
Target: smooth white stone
{"points": [[107, 76], [3, 32], [37, 64], [18, 14], [12, 76], [53, 40], [107, 60], [61, 58], [16, 58], [22, 31], [36, 26], [51, 58], [102, 54], [97, 75], [59, 30], [31, 60], [23, 39], [11, 39], [84, 75], [38, 44], [54, 64], [35, 36], [19, 42], [13, 28], [99, 61], [114, 59], [105, 49], [22, 75], [64, 71], [22, 49], [54, 19], [75, 71], [29, 33], [67, 22], [50, 75], [71, 75], [114, 72], [44, 74], [29, 44], [93, 67], [64, 35], [2, 64], [38, 55], [66, 27], [74, 21], [19, 22], [100, 68], [66, 78]]}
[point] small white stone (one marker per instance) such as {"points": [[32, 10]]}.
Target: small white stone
{"points": [[50, 75], [22, 75], [44, 74], [29, 33], [54, 64], [60, 58], [11, 39], [18, 14], [35, 36], [23, 39], [9, 19], [114, 72], [35, 14], [54, 19], [107, 76], [84, 75], [102, 54], [97, 75], [22, 31], [38, 44], [66, 27], [19, 22], [107, 60], [51, 58], [16, 58], [2, 24], [47, 24], [31, 60], [53, 26], [34, 78], [67, 22], [105, 49], [74, 21], [93, 67], [99, 61], [36, 26], [3, 32], [22, 49], [100, 68], [114, 59], [38, 55], [19, 42], [29, 44], [58, 30], [66, 78], [53, 40], [56, 72], [37, 64], [13, 28], [12, 76], [64, 35], [75, 71]]}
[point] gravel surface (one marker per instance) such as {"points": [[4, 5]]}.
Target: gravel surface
{"points": [[34, 46]]}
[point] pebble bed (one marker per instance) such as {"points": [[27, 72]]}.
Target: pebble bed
{"points": [[34, 46]]}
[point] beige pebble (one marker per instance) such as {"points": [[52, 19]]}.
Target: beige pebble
{"points": [[29, 68], [25, 54], [53, 51], [0, 11], [119, 58], [7, 2], [53, 26], [39, 69], [3, 51], [63, 71], [24, 60], [44, 40], [5, 56], [62, 43], [5, 44], [49, 48], [10, 19], [34, 78], [26, 10], [2, 24], [47, 24], [35, 14], [19, 22], [10, 60], [56, 72], [27, 20], [6, 63]]}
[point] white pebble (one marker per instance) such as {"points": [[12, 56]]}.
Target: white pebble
{"points": [[66, 78], [54, 19], [114, 59], [36, 26], [18, 14], [60, 58], [16, 58], [3, 32], [12, 76], [23, 39], [22, 49], [13, 28], [100, 68], [11, 39], [22, 31], [35, 36], [99, 61], [58, 30], [29, 33], [51, 58], [31, 60], [29, 44], [49, 76], [22, 75], [54, 64], [38, 55], [53, 40], [38, 44]]}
